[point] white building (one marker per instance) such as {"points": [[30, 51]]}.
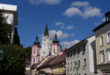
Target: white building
{"points": [[81, 58], [10, 12], [47, 48]]}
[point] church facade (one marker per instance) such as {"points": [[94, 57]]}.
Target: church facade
{"points": [[47, 48]]}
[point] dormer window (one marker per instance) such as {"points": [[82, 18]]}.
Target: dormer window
{"points": [[107, 15]]}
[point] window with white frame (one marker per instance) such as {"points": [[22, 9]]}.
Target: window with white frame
{"points": [[34, 60], [34, 51], [101, 40], [102, 57], [108, 55], [108, 37]]}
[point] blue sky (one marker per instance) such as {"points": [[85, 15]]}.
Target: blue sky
{"points": [[71, 20]]}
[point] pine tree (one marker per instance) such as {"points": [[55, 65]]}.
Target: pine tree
{"points": [[4, 29]]}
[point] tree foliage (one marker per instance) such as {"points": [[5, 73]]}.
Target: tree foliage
{"points": [[28, 52], [13, 62], [4, 29]]}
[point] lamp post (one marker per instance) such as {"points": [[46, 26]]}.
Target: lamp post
{"points": [[1, 58]]}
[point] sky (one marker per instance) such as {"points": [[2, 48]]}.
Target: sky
{"points": [[71, 20]]}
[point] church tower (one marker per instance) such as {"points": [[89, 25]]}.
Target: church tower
{"points": [[45, 47], [35, 52], [56, 48]]}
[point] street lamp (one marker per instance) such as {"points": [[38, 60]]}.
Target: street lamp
{"points": [[1, 57]]}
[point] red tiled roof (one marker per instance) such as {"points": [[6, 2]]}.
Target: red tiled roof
{"points": [[54, 60], [59, 59]]}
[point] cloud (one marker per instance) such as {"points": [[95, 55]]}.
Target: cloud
{"points": [[85, 12], [49, 2], [91, 12], [70, 27], [70, 12], [80, 4], [59, 33], [61, 24], [67, 44]]}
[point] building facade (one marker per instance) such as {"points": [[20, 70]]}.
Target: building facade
{"points": [[102, 33], [47, 48], [58, 64], [10, 12], [35, 53], [80, 59]]}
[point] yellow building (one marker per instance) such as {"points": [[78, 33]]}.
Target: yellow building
{"points": [[102, 34]]}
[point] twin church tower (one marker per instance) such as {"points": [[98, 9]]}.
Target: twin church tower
{"points": [[46, 49]]}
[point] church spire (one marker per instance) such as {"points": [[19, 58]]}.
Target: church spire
{"points": [[46, 33], [36, 42], [55, 39]]}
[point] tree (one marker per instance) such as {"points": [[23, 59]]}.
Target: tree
{"points": [[13, 62], [4, 29], [28, 53]]}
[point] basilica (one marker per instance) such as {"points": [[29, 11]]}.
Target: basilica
{"points": [[48, 48]]}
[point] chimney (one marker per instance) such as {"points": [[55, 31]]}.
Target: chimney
{"points": [[107, 16]]}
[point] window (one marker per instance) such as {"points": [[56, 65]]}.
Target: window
{"points": [[79, 63], [84, 62], [34, 51], [108, 55], [34, 60], [78, 50], [102, 57], [108, 37], [101, 40], [71, 64], [84, 48]]}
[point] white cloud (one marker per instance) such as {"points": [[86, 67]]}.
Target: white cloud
{"points": [[62, 25], [67, 44], [86, 11], [91, 12], [59, 33], [79, 3], [72, 11], [49, 2], [70, 27], [59, 23]]}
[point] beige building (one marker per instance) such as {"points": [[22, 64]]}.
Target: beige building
{"points": [[80, 59], [102, 34]]}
